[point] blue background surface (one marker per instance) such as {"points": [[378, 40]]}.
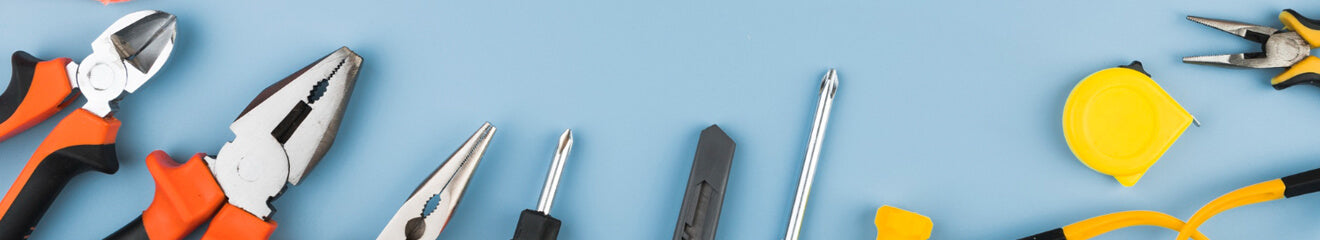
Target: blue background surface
{"points": [[946, 108]]}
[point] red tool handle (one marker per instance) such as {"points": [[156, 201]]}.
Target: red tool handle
{"points": [[80, 142], [37, 90], [186, 196], [233, 223]]}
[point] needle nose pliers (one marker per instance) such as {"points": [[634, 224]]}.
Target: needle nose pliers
{"points": [[1289, 48], [429, 208]]}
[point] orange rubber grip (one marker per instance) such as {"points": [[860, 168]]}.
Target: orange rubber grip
{"points": [[37, 90], [80, 142], [233, 223], [186, 196]]}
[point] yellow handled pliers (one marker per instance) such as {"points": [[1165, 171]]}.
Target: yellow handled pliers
{"points": [[1288, 48]]}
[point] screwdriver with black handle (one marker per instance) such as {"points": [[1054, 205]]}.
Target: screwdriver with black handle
{"points": [[538, 224]]}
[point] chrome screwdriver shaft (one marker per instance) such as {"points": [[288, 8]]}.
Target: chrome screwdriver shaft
{"points": [[538, 224], [828, 86], [556, 169]]}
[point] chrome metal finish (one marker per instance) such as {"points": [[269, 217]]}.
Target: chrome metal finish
{"points": [[556, 169], [72, 70], [1281, 48], [123, 58], [284, 131], [828, 86], [1239, 29], [444, 188]]}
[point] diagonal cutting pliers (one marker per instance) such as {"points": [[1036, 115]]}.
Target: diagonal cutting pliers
{"points": [[429, 208], [278, 138], [1288, 48], [123, 58]]}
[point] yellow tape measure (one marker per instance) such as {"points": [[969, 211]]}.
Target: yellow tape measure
{"points": [[1119, 122]]}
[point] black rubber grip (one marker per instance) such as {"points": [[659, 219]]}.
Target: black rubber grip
{"points": [[133, 231], [1308, 78], [700, 214], [1056, 234], [535, 225], [1301, 183], [1309, 23], [46, 182], [25, 66]]}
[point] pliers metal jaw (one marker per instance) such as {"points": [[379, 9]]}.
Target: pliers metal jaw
{"points": [[123, 58], [285, 131], [443, 190], [1289, 48], [1279, 48], [279, 137]]}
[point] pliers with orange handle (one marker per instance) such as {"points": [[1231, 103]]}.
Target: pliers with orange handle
{"points": [[279, 138], [1289, 48], [123, 58]]}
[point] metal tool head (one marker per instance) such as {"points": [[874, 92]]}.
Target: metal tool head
{"points": [[442, 191], [829, 85], [124, 57], [285, 131], [1279, 48], [562, 150]]}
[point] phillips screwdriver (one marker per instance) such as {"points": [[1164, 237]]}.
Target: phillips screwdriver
{"points": [[538, 224], [828, 85]]}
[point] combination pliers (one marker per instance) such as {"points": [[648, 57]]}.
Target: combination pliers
{"points": [[281, 135]]}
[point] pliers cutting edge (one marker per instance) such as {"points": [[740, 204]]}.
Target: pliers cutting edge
{"points": [[1289, 48], [279, 137], [442, 190], [123, 58]]}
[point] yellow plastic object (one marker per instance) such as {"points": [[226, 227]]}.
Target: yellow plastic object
{"points": [[1089, 228], [1302, 25], [892, 223], [1118, 122], [1260, 192]]}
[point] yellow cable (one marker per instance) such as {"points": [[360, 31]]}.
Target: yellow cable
{"points": [[1110, 222], [1095, 226], [1260, 192]]}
